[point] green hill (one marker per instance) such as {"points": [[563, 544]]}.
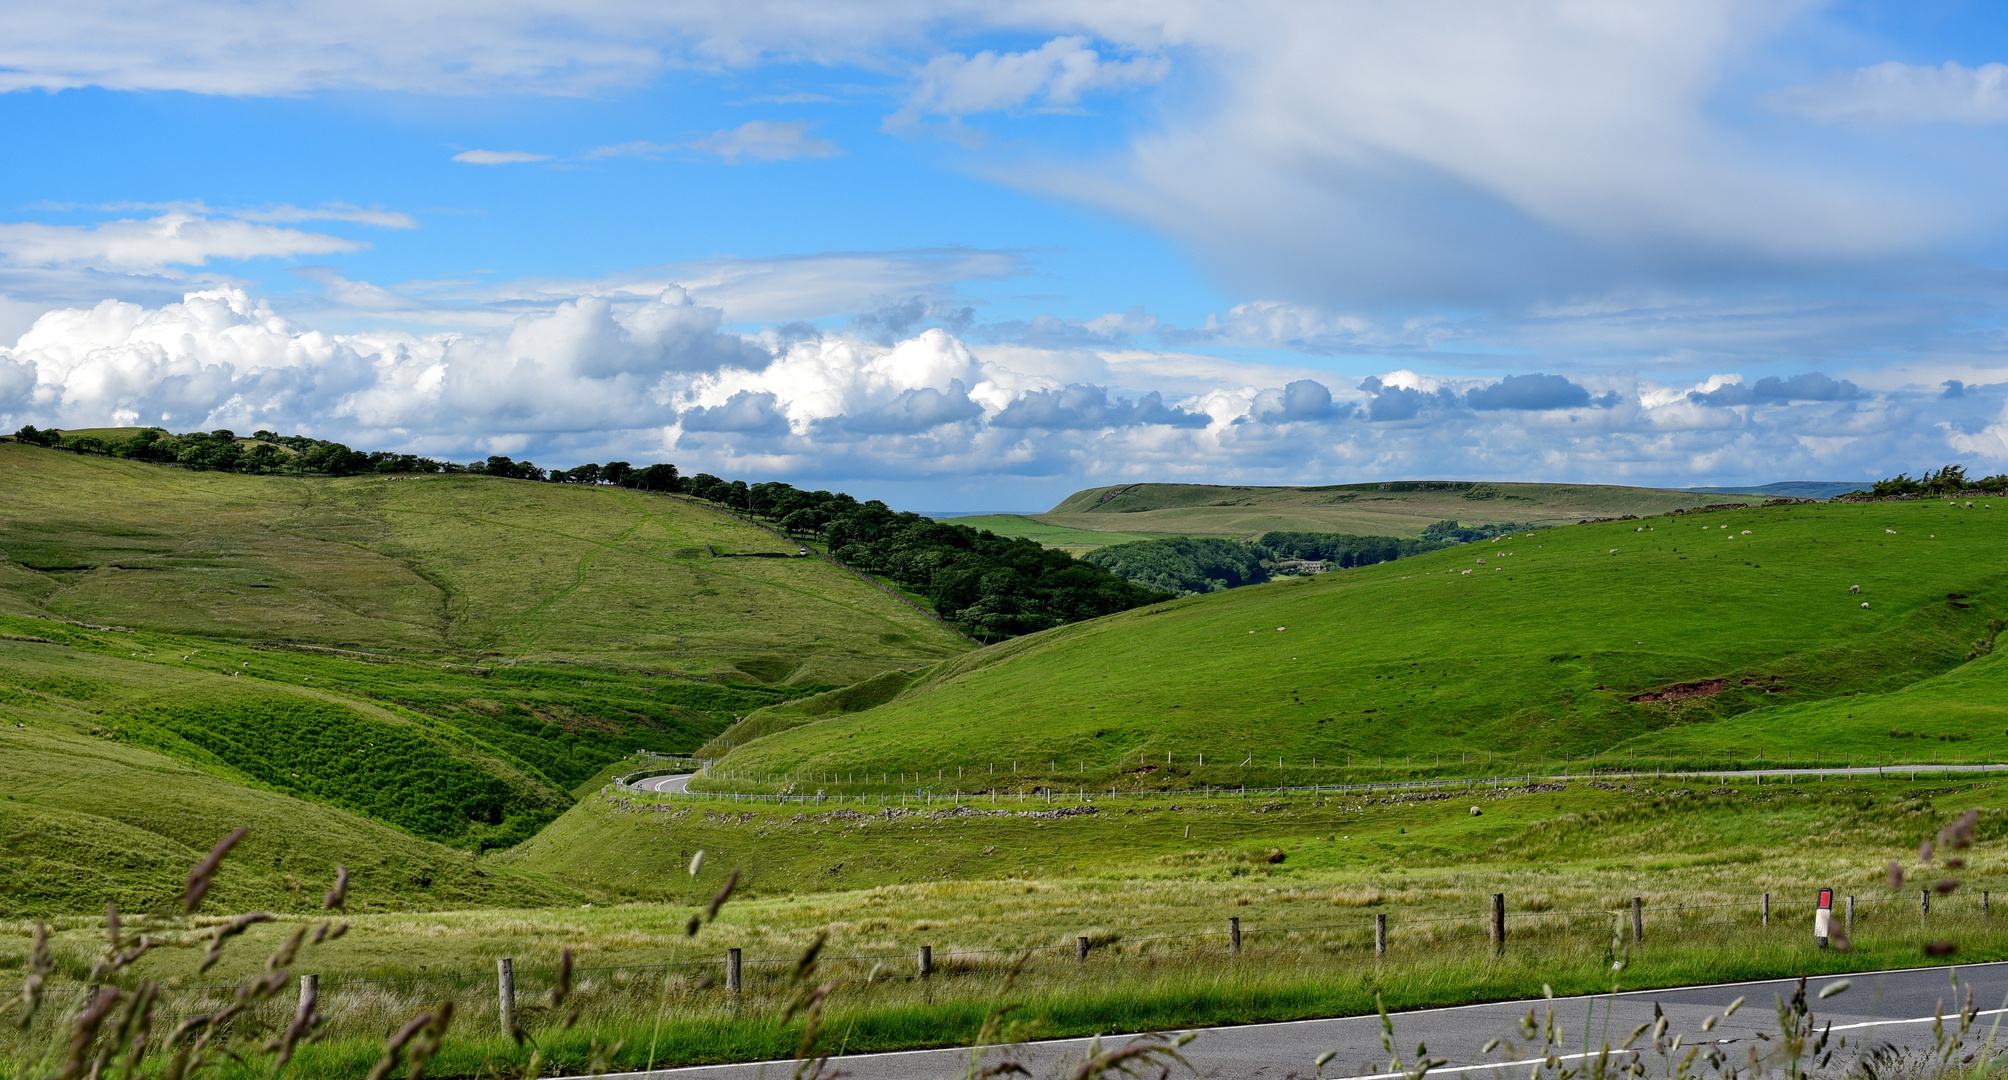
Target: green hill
{"points": [[1683, 632], [443, 656], [471, 565], [1395, 508], [95, 811]]}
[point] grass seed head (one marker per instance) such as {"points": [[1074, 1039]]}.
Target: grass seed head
{"points": [[199, 878], [338, 897]]}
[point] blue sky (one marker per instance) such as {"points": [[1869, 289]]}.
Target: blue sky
{"points": [[975, 256]]}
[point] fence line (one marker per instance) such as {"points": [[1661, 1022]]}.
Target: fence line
{"points": [[1362, 926], [1081, 793]]}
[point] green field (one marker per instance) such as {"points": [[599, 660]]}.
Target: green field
{"points": [[457, 565], [1152, 902], [1398, 508], [1066, 538], [430, 663], [1477, 656]]}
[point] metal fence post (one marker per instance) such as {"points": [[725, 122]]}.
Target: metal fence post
{"points": [[1234, 936], [1380, 934], [505, 993], [1499, 922], [1638, 919], [924, 963], [734, 971]]}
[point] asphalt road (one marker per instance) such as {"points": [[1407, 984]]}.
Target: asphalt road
{"points": [[1896, 1008], [675, 785]]}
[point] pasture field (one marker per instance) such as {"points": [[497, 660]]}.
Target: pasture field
{"points": [[449, 656], [1154, 907], [1642, 637], [1075, 540], [466, 566], [1399, 508]]}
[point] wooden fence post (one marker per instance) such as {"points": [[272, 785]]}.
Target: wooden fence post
{"points": [[924, 963], [1849, 925], [1499, 922], [310, 992], [1924, 903], [1638, 919], [1765, 916], [1983, 904], [505, 993], [1234, 936], [1080, 950], [1380, 934], [734, 971]]}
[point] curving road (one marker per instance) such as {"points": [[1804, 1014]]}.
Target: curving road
{"points": [[1891, 1007], [673, 785]]}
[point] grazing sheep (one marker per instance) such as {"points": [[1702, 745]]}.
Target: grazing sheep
{"points": [[1854, 588], [1892, 532], [1475, 812], [1614, 551], [1746, 532], [1865, 605]]}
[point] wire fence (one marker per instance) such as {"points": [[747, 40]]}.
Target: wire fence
{"points": [[1050, 791], [372, 1004]]}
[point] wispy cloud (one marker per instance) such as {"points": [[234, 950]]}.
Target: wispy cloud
{"points": [[498, 157], [767, 140], [360, 215], [1893, 93], [1053, 76], [640, 148], [172, 239]]}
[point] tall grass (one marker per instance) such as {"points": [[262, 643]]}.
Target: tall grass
{"points": [[678, 1013]]}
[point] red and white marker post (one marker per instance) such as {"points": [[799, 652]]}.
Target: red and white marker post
{"points": [[1823, 918]]}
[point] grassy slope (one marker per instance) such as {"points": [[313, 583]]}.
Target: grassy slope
{"points": [[446, 655], [1197, 509], [452, 564], [1055, 536], [1538, 651], [90, 818]]}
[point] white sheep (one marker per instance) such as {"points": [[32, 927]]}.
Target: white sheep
{"points": [[1865, 605], [1746, 532], [1614, 551], [1892, 532], [1854, 588]]}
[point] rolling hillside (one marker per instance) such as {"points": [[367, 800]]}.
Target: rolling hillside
{"points": [[471, 565], [1650, 634], [1401, 508], [414, 664]]}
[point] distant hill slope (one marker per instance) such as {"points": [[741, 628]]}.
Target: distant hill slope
{"points": [[1397, 508], [1792, 489], [1574, 640], [469, 565]]}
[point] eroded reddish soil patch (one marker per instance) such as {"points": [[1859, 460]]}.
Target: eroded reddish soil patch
{"points": [[1683, 691]]}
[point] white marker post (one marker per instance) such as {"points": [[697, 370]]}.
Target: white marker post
{"points": [[1823, 918]]}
